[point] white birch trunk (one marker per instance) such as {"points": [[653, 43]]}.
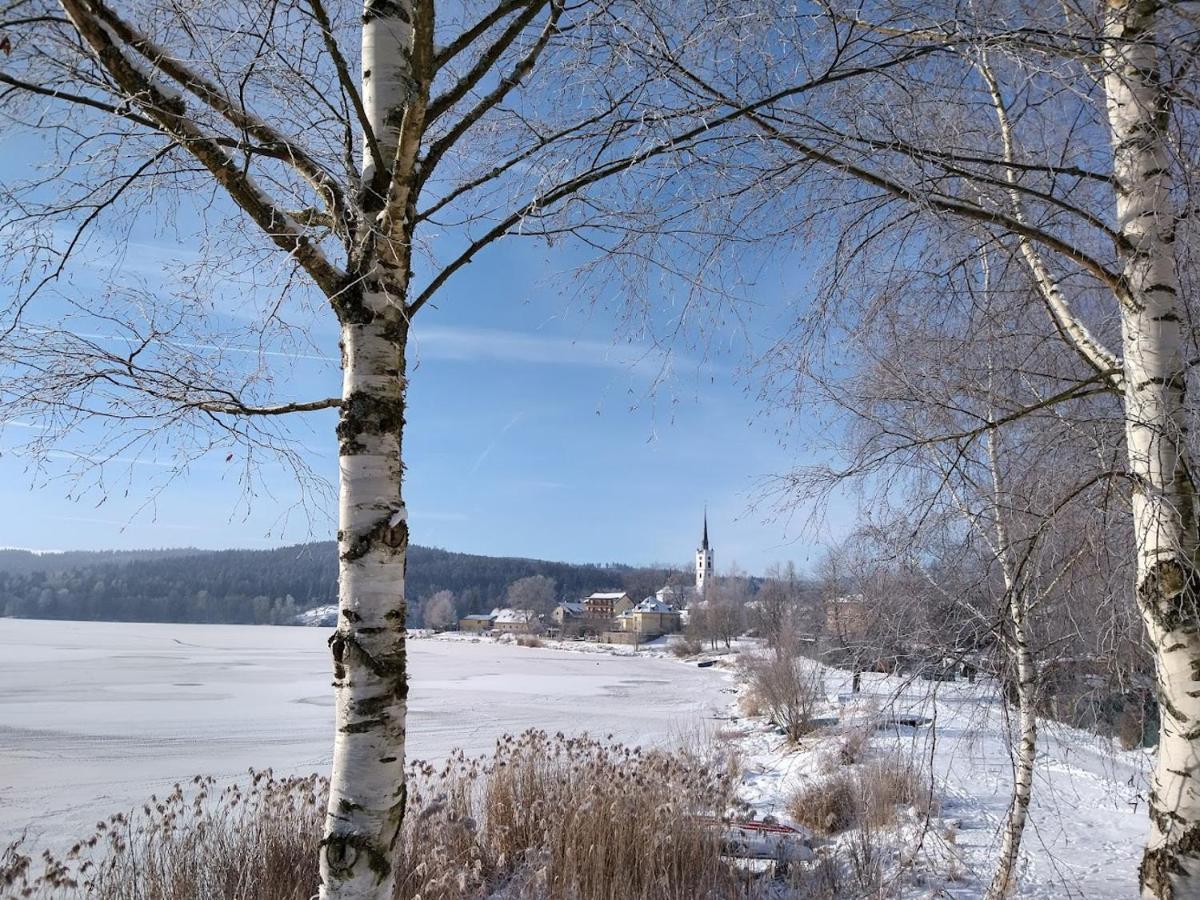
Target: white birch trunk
{"points": [[1004, 880], [1155, 384], [367, 789]]}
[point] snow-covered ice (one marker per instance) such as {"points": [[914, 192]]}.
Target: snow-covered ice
{"points": [[94, 717]]}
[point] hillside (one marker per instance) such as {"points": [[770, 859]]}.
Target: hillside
{"points": [[263, 586]]}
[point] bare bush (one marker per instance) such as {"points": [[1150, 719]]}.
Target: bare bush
{"points": [[891, 784], [687, 647], [530, 640], [866, 796], [851, 748], [866, 861], [786, 689], [545, 817], [825, 807]]}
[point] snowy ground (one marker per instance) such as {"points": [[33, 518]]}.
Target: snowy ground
{"points": [[96, 716], [1088, 817]]}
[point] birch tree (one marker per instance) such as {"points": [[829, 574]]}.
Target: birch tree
{"points": [[1065, 134], [993, 496], [359, 156]]}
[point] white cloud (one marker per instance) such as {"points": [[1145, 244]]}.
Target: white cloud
{"points": [[101, 459], [454, 344], [480, 344]]}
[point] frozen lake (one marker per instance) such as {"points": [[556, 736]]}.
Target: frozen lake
{"points": [[96, 716]]}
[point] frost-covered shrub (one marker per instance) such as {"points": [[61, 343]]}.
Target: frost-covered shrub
{"points": [[685, 647]]}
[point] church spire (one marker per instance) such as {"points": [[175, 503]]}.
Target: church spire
{"points": [[704, 561]]}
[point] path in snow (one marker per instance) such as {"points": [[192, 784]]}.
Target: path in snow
{"points": [[1088, 816], [96, 716]]}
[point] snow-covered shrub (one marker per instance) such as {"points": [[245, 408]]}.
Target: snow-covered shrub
{"points": [[685, 647], [787, 689], [852, 745]]}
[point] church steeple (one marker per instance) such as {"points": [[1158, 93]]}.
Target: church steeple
{"points": [[704, 562]]}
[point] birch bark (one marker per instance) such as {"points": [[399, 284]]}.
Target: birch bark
{"points": [[367, 789], [1154, 388], [1004, 880]]}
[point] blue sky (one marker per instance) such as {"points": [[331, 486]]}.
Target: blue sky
{"points": [[535, 429]]}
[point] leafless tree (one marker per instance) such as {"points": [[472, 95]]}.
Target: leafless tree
{"points": [[779, 612], [440, 611], [725, 610], [536, 592], [325, 164], [1062, 138]]}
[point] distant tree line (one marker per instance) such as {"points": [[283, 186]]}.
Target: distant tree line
{"points": [[265, 587]]}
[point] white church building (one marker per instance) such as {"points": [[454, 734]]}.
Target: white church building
{"points": [[681, 596]]}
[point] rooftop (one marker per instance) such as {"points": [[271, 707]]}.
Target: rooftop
{"points": [[653, 605], [516, 616]]}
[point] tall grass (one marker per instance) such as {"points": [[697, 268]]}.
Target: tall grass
{"points": [[544, 817]]}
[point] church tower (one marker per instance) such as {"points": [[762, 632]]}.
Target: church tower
{"points": [[704, 564]]}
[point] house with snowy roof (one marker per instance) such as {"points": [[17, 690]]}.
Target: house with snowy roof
{"points": [[515, 621], [477, 623], [603, 606], [569, 612], [651, 617]]}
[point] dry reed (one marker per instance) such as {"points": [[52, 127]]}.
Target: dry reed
{"points": [[544, 817], [864, 796]]}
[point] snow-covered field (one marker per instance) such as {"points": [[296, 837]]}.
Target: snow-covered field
{"points": [[95, 717]]}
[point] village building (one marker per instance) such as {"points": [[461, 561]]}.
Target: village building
{"points": [[515, 621], [569, 613], [604, 606], [650, 618], [478, 623]]}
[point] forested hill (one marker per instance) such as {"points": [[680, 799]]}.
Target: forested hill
{"points": [[263, 586]]}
